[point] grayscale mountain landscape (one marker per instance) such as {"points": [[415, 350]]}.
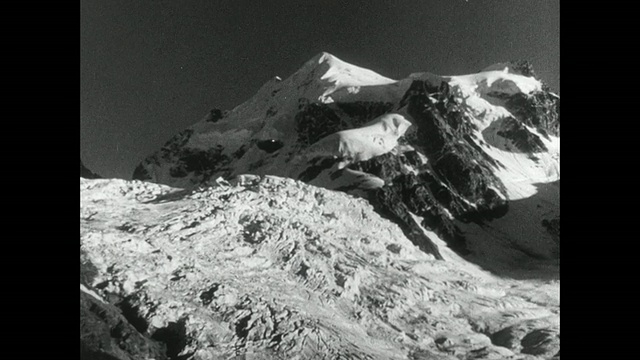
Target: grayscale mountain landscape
{"points": [[336, 214]]}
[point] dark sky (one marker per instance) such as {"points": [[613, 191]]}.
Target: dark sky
{"points": [[150, 68]]}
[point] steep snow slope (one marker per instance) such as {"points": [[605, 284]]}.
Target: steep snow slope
{"points": [[272, 268], [452, 150]]}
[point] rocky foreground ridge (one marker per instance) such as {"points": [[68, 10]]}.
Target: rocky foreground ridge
{"points": [[273, 268]]}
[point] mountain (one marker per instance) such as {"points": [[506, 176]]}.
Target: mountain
{"points": [[263, 267], [337, 214], [86, 173], [464, 157]]}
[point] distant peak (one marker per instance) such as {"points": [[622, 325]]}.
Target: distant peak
{"points": [[330, 67]]}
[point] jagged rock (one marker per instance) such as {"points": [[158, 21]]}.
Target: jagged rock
{"points": [[442, 135], [105, 333], [316, 121], [540, 110], [523, 139], [141, 173], [360, 112]]}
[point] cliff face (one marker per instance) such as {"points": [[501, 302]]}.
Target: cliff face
{"points": [[273, 268]]}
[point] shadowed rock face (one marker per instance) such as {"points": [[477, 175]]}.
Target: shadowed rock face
{"points": [[522, 138], [272, 268], [457, 173], [105, 333], [200, 165], [444, 136], [540, 110], [315, 121], [111, 330]]}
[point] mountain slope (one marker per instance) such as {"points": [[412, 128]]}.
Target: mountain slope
{"points": [[451, 150], [273, 268]]}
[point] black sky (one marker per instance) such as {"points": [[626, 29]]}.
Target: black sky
{"points": [[150, 68]]}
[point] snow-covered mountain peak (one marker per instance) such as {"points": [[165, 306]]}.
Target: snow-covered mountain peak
{"points": [[324, 78], [446, 148], [328, 95], [342, 73]]}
